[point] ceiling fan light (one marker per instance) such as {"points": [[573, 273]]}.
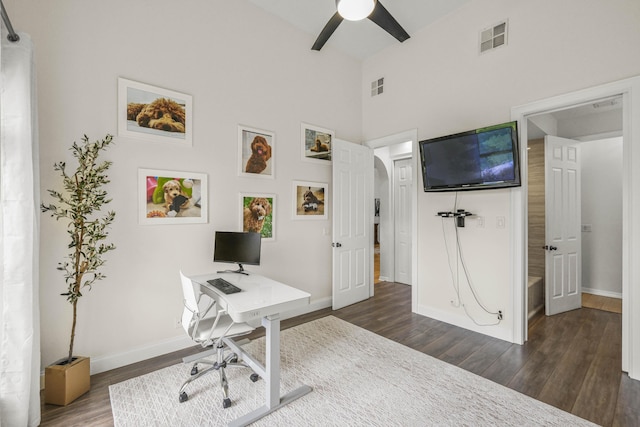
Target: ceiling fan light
{"points": [[355, 10]]}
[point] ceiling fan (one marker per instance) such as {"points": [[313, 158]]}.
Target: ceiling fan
{"points": [[355, 10]]}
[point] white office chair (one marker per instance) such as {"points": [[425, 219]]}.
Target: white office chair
{"points": [[209, 332]]}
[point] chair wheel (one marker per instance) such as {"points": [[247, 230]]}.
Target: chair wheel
{"points": [[254, 377], [194, 370], [183, 397], [226, 403]]}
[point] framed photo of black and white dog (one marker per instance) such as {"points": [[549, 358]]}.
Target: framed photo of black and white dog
{"points": [[171, 197], [310, 200], [255, 152], [258, 214], [316, 143], [154, 114]]}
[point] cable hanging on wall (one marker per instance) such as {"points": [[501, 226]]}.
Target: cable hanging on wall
{"points": [[460, 214], [12, 36]]}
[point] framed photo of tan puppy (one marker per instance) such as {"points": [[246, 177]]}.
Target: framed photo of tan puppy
{"points": [[172, 197], [258, 214], [255, 152], [154, 114], [316, 143], [310, 200]]}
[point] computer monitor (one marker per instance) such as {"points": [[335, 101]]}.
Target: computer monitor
{"points": [[237, 248]]}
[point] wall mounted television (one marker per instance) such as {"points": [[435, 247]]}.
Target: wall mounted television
{"points": [[473, 160]]}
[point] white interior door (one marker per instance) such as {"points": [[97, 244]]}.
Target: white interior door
{"points": [[352, 223], [563, 261], [402, 190]]}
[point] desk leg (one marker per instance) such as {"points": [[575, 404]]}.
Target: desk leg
{"points": [[273, 401], [272, 382]]}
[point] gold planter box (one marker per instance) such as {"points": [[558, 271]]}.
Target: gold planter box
{"points": [[65, 383]]}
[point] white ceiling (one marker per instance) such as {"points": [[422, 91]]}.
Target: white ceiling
{"points": [[363, 38]]}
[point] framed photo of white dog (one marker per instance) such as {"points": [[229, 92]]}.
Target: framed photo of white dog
{"points": [[154, 114], [316, 143], [171, 197], [258, 214], [255, 152], [310, 200]]}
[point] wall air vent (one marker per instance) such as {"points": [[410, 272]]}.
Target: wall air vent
{"points": [[377, 86], [493, 37]]}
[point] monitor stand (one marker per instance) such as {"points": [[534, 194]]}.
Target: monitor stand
{"points": [[240, 270]]}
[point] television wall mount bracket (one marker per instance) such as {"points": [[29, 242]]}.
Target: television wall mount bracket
{"points": [[459, 215]]}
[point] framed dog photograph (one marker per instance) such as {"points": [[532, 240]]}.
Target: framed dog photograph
{"points": [[171, 197], [310, 200], [154, 114], [258, 214], [255, 152], [316, 143]]}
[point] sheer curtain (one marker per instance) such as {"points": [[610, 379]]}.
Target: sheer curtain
{"points": [[19, 229]]}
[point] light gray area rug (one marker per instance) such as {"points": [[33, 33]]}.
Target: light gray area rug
{"points": [[358, 379]]}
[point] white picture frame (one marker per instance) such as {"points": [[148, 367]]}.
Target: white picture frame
{"points": [[157, 201], [310, 200], [256, 149], [135, 99], [257, 218], [316, 143]]}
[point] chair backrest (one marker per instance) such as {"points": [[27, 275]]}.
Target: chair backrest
{"points": [[190, 310]]}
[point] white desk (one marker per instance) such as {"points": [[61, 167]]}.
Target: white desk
{"points": [[261, 298]]}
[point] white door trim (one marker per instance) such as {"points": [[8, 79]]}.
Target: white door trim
{"points": [[630, 90], [408, 135]]}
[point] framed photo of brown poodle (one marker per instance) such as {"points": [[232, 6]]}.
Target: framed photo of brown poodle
{"points": [[255, 152], [258, 214], [316, 143], [310, 200], [154, 114], [171, 197]]}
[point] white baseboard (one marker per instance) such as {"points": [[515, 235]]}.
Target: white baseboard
{"points": [[116, 360], [463, 321], [602, 293], [383, 279]]}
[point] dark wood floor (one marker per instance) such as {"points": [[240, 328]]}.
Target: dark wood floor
{"points": [[571, 361]]}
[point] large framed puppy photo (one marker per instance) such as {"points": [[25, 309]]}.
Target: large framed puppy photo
{"points": [[154, 114], [256, 152], [258, 214], [171, 197]]}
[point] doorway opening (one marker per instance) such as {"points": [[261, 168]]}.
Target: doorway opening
{"points": [[392, 154], [596, 129], [629, 90]]}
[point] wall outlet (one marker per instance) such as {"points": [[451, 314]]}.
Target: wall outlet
{"points": [[480, 221], [500, 222]]}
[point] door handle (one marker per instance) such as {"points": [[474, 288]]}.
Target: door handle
{"points": [[337, 245], [550, 248]]}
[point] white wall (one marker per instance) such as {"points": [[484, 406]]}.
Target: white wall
{"points": [[242, 66], [602, 211], [436, 81]]}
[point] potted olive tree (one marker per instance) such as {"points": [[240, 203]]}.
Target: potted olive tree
{"points": [[79, 205]]}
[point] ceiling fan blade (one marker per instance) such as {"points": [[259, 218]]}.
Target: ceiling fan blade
{"points": [[384, 20], [327, 31]]}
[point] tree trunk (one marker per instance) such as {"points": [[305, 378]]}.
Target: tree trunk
{"points": [[73, 331]]}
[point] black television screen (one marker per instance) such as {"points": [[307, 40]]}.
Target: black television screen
{"points": [[478, 159], [236, 247]]}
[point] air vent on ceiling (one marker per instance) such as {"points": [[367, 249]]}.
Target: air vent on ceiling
{"points": [[493, 37], [377, 86]]}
